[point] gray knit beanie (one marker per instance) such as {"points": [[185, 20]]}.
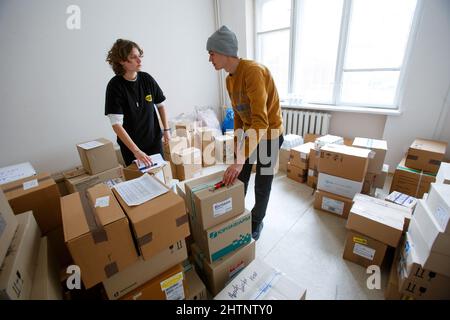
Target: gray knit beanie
{"points": [[223, 41]]}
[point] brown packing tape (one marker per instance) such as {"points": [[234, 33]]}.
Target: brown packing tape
{"points": [[111, 269], [20, 186], [182, 220], [95, 227], [146, 238]]}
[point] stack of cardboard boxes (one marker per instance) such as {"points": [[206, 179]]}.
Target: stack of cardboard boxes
{"points": [[342, 170], [297, 167], [418, 169], [290, 141], [221, 229]]}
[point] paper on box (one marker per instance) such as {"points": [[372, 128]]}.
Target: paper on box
{"points": [[340, 186], [438, 202]]}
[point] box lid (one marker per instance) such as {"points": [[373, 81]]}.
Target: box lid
{"points": [[370, 143], [304, 148], [343, 149], [429, 145], [93, 144]]}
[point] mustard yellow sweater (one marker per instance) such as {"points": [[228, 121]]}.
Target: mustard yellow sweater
{"points": [[255, 101]]}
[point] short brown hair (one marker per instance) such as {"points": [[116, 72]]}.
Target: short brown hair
{"points": [[119, 52]]}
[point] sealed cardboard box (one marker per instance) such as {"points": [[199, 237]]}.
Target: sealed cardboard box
{"points": [[98, 236], [284, 156], [84, 181], [39, 194], [97, 155], [167, 286], [210, 206], [363, 250], [443, 175], [263, 282], [58, 246], [16, 276], [311, 137], [312, 179], [379, 148], [402, 199], [162, 173], [146, 219], [426, 155], [217, 274], [8, 226], [417, 282], [392, 289], [224, 238], [380, 179], [327, 139], [195, 288], [296, 174], [333, 203], [299, 155], [410, 181], [46, 283], [343, 161], [438, 202], [432, 233], [143, 271], [340, 186], [380, 223], [313, 159], [428, 259]]}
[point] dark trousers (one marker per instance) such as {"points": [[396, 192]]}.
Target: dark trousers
{"points": [[266, 155], [128, 156]]}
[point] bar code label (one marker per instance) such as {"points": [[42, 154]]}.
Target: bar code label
{"points": [[30, 184], [332, 205], [222, 207], [364, 251], [175, 292]]}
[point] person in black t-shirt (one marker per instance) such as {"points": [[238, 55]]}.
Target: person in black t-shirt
{"points": [[133, 99]]}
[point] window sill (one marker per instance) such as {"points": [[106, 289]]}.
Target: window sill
{"points": [[322, 107]]}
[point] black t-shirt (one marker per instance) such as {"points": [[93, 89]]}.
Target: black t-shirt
{"points": [[136, 101]]}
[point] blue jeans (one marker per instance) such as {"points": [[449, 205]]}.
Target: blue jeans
{"points": [[266, 155]]}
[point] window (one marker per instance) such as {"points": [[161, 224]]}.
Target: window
{"points": [[336, 52]]}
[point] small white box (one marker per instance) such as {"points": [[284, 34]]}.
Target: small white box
{"points": [[438, 202]]}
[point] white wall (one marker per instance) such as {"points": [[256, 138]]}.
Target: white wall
{"points": [[53, 80], [361, 125]]}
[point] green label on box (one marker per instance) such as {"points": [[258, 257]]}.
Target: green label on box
{"points": [[243, 240]]}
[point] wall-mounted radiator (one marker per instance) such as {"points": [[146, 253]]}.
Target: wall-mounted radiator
{"points": [[302, 121]]}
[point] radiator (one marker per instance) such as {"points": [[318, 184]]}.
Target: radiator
{"points": [[301, 122]]}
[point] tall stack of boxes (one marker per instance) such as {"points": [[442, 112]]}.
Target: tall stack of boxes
{"points": [[297, 168], [342, 170], [417, 171], [221, 228]]}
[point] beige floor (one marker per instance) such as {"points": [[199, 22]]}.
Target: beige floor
{"points": [[307, 244]]}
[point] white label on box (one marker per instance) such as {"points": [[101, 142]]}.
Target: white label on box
{"points": [[102, 202], [442, 216], [310, 172], [30, 184], [16, 172], [222, 207], [303, 155], [364, 251], [332, 205], [173, 287], [90, 145]]}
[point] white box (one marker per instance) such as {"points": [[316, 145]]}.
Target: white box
{"points": [[340, 186], [259, 281], [438, 202], [321, 141], [433, 235], [443, 175]]}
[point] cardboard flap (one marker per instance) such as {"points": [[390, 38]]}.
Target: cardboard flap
{"points": [[108, 210], [15, 188], [74, 220]]}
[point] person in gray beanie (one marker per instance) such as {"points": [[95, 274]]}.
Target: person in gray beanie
{"points": [[257, 113]]}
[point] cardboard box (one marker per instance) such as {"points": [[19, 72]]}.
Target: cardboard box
{"points": [[390, 209], [97, 155], [8, 226], [426, 155], [392, 289], [340, 186], [443, 175], [429, 260], [410, 181], [312, 179], [417, 282], [224, 238], [402, 199], [381, 223], [333, 203], [119, 156], [187, 156], [163, 173], [188, 171], [376, 159], [327, 139], [82, 182], [208, 208], [263, 282], [98, 236], [195, 288], [432, 233], [438, 203], [217, 274], [46, 281], [299, 155], [143, 271], [296, 173], [380, 179], [311, 137], [363, 250], [19, 265], [37, 193], [343, 161], [167, 210], [313, 159], [58, 246], [166, 286], [284, 156]]}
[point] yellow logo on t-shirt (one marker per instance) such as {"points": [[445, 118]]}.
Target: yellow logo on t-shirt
{"points": [[148, 98]]}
